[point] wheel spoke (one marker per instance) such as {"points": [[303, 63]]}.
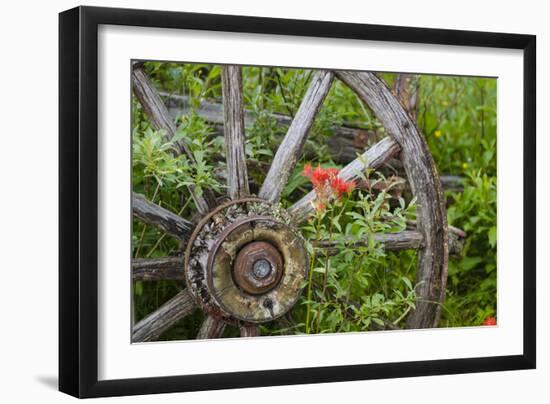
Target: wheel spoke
{"points": [[155, 269], [291, 147], [160, 119], [249, 330], [152, 326], [211, 328], [163, 219], [376, 156], [425, 185], [237, 178], [404, 240], [153, 105], [455, 235]]}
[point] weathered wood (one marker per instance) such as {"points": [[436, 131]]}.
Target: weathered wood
{"points": [[211, 328], [237, 177], [161, 119], [404, 240], [407, 93], [249, 330], [153, 106], [424, 180], [290, 149], [452, 182], [373, 158], [456, 244], [155, 269], [152, 326], [394, 186], [398, 185], [163, 219], [344, 143], [411, 224]]}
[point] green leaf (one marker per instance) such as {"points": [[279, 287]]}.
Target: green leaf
{"points": [[138, 288], [467, 263], [407, 282], [493, 236]]}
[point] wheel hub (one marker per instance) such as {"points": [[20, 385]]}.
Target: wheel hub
{"points": [[245, 262]]}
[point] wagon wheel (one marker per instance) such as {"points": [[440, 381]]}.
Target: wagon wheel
{"points": [[244, 261]]}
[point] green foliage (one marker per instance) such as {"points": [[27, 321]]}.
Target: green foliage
{"points": [[473, 278], [197, 81], [359, 288], [458, 117], [362, 287]]}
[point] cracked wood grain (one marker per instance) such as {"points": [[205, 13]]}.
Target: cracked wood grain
{"points": [[237, 177], [408, 239], [161, 218], [156, 269], [152, 326], [211, 328]]}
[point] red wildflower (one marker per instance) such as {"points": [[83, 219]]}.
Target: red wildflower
{"points": [[320, 176], [327, 185], [342, 187], [490, 321]]}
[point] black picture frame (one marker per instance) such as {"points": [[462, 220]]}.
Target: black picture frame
{"points": [[78, 201]]}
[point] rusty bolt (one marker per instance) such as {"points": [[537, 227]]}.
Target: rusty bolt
{"points": [[258, 267]]}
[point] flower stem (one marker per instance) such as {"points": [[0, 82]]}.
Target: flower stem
{"points": [[325, 274], [310, 275], [309, 284]]}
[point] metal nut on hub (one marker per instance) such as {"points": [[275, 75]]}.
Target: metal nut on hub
{"points": [[258, 267], [261, 269]]}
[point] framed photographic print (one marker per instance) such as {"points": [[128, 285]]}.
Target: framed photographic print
{"points": [[250, 201]]}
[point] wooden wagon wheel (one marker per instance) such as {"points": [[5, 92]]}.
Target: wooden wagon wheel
{"points": [[244, 261]]}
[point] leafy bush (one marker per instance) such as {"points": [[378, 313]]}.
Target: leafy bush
{"points": [[357, 288], [472, 280]]}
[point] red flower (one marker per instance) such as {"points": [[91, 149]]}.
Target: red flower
{"points": [[320, 176], [342, 187], [327, 185], [490, 321]]}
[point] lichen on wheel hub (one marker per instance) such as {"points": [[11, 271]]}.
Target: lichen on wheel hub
{"points": [[245, 262]]}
